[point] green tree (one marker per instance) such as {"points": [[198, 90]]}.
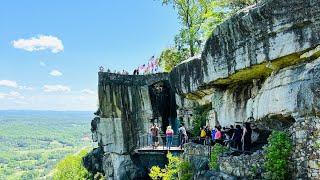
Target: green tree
{"points": [[71, 168], [217, 150], [175, 169], [193, 15], [198, 19], [170, 57], [278, 152]]}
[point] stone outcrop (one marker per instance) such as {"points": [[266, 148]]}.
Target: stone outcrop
{"points": [[262, 63], [274, 31], [291, 91], [127, 107], [93, 161], [212, 175], [249, 166], [198, 155]]}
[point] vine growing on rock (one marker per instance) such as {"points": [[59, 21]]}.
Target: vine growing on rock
{"points": [[278, 152]]}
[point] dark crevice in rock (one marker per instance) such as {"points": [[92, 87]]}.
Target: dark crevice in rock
{"points": [[275, 122], [163, 104], [93, 161]]}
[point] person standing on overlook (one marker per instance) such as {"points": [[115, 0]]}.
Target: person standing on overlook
{"points": [[218, 135], [183, 135], [154, 133], [246, 137], [208, 135], [169, 137], [237, 137], [202, 135]]}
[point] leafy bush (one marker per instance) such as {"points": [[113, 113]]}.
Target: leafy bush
{"points": [[176, 167], [278, 151], [71, 168], [217, 150], [186, 171]]}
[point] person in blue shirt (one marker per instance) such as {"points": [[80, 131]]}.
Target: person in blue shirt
{"points": [[213, 133]]}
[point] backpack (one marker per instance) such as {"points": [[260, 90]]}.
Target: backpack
{"points": [[203, 133]]}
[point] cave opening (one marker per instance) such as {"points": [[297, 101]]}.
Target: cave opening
{"points": [[262, 129], [163, 105]]}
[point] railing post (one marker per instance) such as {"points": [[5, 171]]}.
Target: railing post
{"points": [[143, 141], [163, 144]]}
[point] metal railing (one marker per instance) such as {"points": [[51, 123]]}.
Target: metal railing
{"points": [[146, 141]]}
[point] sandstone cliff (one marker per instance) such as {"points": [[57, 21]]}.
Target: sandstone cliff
{"points": [[262, 63]]}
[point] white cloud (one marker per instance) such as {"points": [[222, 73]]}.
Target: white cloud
{"points": [[87, 91], [41, 42], [14, 84], [25, 88], [8, 83], [42, 64], [73, 100], [55, 73], [11, 95], [56, 88], [21, 102], [15, 95], [2, 95]]}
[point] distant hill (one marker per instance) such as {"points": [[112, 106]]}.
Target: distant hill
{"points": [[32, 142]]}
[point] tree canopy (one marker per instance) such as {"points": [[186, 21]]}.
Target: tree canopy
{"points": [[71, 168], [198, 18]]}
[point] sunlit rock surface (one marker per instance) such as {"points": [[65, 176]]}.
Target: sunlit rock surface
{"points": [[262, 63], [277, 31]]}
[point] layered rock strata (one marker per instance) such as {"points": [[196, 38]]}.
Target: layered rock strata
{"points": [[262, 63]]}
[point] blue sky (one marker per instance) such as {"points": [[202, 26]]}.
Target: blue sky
{"points": [[50, 51]]}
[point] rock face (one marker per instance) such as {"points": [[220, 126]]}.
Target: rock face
{"points": [[276, 31], [249, 166], [262, 63], [127, 107], [198, 155]]}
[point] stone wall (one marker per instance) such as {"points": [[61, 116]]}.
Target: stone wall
{"points": [[306, 156], [244, 166]]}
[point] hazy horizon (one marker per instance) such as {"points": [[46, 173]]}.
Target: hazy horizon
{"points": [[51, 50]]}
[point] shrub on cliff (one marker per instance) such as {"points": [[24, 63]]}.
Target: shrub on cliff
{"points": [[175, 169], [217, 150], [277, 156], [71, 168]]}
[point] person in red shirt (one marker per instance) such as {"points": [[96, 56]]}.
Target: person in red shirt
{"points": [[218, 135]]}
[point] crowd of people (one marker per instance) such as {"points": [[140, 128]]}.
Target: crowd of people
{"points": [[238, 137], [150, 68]]}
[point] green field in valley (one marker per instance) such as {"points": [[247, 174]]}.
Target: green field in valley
{"points": [[32, 142]]}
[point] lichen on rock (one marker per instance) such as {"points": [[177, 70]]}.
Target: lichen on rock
{"points": [[262, 63]]}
